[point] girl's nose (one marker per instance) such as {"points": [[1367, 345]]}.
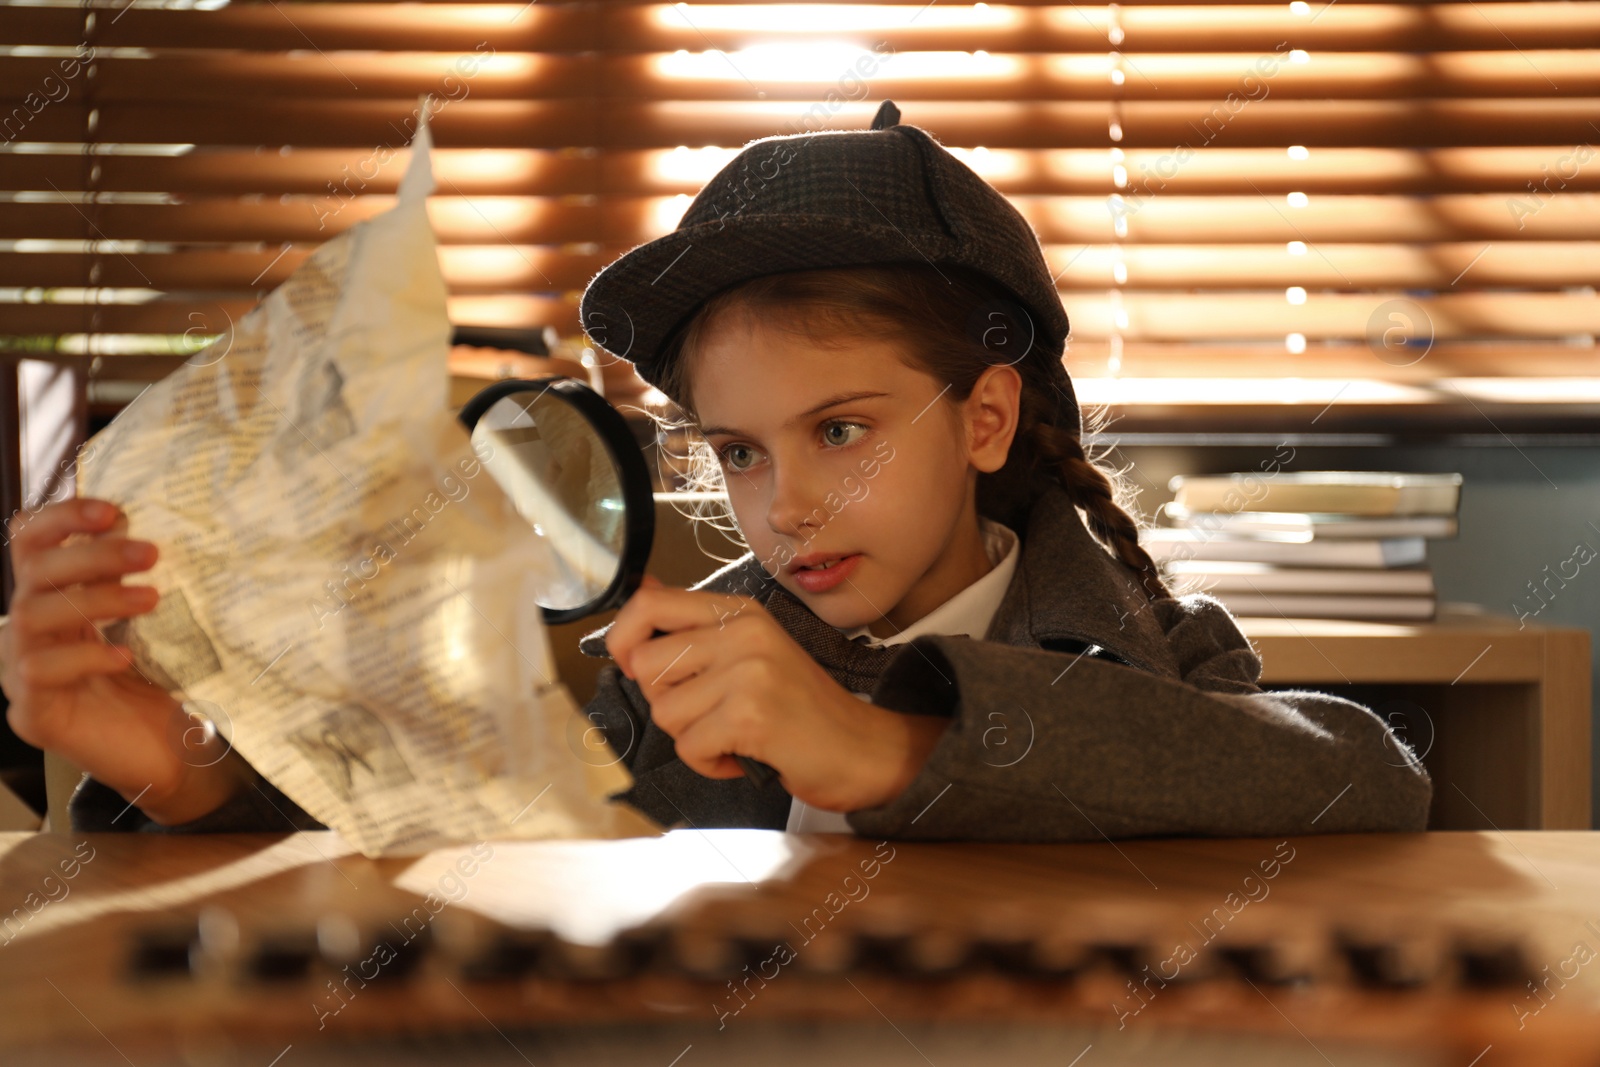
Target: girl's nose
{"points": [[792, 508]]}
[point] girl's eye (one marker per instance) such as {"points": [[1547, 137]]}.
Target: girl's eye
{"points": [[730, 453], [845, 426]]}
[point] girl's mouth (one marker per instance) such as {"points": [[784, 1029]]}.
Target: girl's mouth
{"points": [[826, 574]]}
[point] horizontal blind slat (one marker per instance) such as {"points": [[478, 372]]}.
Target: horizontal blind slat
{"points": [[1148, 359], [1152, 316], [644, 172], [214, 75], [628, 221], [619, 28], [1463, 266], [560, 124]]}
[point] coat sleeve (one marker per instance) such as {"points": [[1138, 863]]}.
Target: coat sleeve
{"points": [[1049, 746], [258, 808]]}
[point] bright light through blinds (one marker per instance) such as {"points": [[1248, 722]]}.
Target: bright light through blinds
{"points": [[834, 18], [822, 64], [696, 166], [693, 165], [1223, 191], [995, 166]]}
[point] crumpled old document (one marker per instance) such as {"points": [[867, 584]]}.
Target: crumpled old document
{"points": [[345, 591]]}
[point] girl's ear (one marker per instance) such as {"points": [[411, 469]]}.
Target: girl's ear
{"points": [[991, 413]]}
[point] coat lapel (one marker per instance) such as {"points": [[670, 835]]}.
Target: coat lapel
{"points": [[1068, 589], [853, 664]]}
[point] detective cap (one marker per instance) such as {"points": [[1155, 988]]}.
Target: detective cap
{"points": [[831, 198]]}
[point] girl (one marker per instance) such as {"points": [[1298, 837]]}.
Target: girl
{"points": [[945, 626], [866, 338]]}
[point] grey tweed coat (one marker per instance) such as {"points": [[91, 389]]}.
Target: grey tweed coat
{"points": [[1086, 712]]}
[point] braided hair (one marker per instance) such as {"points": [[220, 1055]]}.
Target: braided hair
{"points": [[954, 324]]}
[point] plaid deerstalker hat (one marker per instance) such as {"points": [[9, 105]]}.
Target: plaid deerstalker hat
{"points": [[833, 198]]}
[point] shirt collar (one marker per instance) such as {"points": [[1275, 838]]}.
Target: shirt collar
{"points": [[970, 611]]}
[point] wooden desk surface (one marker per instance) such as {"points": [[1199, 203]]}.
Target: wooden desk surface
{"points": [[79, 904]]}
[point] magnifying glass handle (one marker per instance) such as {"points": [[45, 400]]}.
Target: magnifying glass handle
{"points": [[759, 773]]}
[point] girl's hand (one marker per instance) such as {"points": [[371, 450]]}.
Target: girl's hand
{"points": [[73, 693], [725, 679]]}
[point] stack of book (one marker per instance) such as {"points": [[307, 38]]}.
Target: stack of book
{"points": [[1312, 544]]}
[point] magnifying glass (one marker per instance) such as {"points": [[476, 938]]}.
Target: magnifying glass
{"points": [[574, 471]]}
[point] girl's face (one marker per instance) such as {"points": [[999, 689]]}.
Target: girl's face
{"points": [[848, 452]]}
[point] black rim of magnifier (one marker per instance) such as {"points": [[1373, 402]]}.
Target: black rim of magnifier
{"points": [[638, 499]]}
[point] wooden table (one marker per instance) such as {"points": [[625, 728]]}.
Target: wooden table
{"points": [[731, 942], [1503, 713]]}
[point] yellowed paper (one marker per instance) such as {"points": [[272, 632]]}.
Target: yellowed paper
{"points": [[345, 590]]}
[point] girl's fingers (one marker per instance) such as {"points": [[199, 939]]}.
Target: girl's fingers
{"points": [[663, 662], [708, 745], [649, 609], [57, 666], [50, 525], [677, 709], [86, 561], [670, 609], [72, 610]]}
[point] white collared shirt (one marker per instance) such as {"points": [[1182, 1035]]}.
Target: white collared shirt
{"points": [[969, 612]]}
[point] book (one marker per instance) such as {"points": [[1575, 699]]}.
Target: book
{"points": [[1344, 492], [1166, 545], [1219, 576], [1309, 606], [1312, 526]]}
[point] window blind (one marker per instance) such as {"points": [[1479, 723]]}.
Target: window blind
{"points": [[1364, 211]]}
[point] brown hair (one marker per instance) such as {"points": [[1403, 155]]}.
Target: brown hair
{"points": [[954, 323]]}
